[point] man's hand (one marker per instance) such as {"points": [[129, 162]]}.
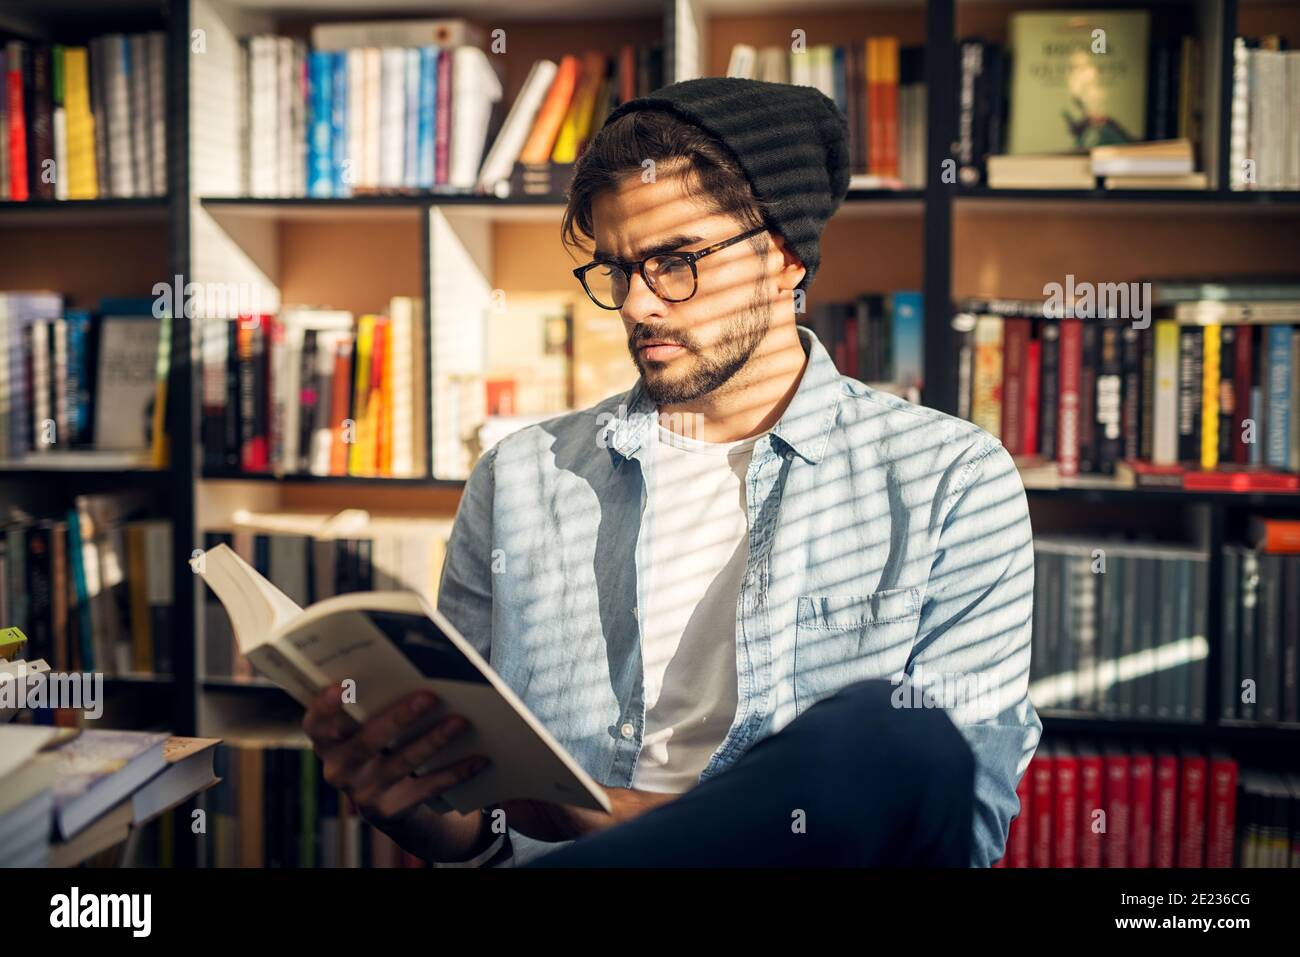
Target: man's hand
{"points": [[547, 821]]}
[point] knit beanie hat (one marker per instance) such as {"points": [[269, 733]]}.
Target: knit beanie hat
{"points": [[792, 142]]}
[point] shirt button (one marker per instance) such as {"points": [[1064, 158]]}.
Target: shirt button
{"points": [[628, 730]]}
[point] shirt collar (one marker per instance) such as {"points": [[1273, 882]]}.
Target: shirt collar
{"points": [[804, 427]]}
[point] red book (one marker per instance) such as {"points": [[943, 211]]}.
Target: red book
{"points": [[1223, 812], [341, 409], [1241, 382], [17, 123], [1015, 347], [1066, 808], [1115, 844], [1041, 767], [1018, 836], [889, 105], [1241, 480], [1090, 806], [1033, 380], [1165, 822], [1067, 413], [1141, 799], [1191, 812]]}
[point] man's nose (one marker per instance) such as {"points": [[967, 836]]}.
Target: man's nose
{"points": [[641, 301]]}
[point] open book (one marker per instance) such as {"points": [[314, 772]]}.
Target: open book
{"points": [[391, 644]]}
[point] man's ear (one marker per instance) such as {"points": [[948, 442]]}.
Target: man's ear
{"points": [[791, 271]]}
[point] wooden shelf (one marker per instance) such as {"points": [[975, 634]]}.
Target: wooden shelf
{"points": [[217, 475], [83, 212], [1219, 732]]}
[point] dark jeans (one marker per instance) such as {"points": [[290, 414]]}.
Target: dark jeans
{"points": [[853, 781]]}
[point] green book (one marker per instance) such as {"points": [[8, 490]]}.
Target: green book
{"points": [[1079, 79]]}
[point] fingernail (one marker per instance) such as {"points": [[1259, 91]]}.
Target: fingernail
{"points": [[422, 703]]}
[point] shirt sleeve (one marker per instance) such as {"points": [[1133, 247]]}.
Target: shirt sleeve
{"points": [[973, 639]]}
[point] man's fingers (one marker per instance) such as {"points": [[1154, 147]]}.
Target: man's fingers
{"points": [[412, 790], [325, 721], [392, 768]]}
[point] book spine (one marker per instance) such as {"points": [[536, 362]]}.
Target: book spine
{"points": [[1141, 808], [1049, 390], [1209, 412], [1191, 812], [1069, 417], [1220, 841], [1014, 355], [1131, 392], [1189, 393], [1277, 417], [1164, 838], [1109, 401]]}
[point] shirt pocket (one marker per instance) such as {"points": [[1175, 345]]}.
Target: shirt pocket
{"points": [[843, 639]]}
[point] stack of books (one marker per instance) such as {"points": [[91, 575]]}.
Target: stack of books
{"points": [[315, 391], [1198, 393], [1107, 806], [1264, 140], [876, 338], [1034, 113], [1119, 629], [1261, 625], [82, 122], [70, 794], [91, 588], [880, 88], [73, 381]]}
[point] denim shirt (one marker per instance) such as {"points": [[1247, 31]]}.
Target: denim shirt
{"points": [[887, 541]]}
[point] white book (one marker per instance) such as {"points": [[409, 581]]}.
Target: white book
{"points": [[372, 139], [392, 117], [286, 148], [824, 69], [394, 644], [1292, 117], [411, 135], [1239, 138], [298, 114], [60, 153], [356, 118], [801, 67], [263, 141], [124, 387], [59, 373], [41, 409], [157, 44], [141, 163], [450, 32], [743, 63], [475, 87], [118, 108], [519, 122], [1165, 412]]}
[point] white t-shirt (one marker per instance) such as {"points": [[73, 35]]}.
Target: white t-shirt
{"points": [[697, 552]]}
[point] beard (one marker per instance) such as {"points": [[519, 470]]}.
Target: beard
{"points": [[705, 371]]}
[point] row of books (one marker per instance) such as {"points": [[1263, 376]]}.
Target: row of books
{"points": [[1084, 805], [1261, 635], [1119, 629], [91, 588], [1053, 88], [84, 122], [69, 794], [880, 88], [317, 391], [875, 338], [273, 808], [414, 105], [72, 379], [1206, 383], [313, 557], [1264, 137]]}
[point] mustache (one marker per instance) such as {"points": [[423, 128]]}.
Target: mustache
{"points": [[642, 334]]}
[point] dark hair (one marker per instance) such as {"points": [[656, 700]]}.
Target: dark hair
{"points": [[619, 149]]}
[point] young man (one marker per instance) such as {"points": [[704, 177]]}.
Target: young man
{"points": [[782, 617]]}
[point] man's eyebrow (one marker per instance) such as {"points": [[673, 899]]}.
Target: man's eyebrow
{"points": [[668, 245]]}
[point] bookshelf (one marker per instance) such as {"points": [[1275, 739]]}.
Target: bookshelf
{"points": [[354, 253]]}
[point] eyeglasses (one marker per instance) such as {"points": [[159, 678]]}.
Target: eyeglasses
{"points": [[671, 276]]}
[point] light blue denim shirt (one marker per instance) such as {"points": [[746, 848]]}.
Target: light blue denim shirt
{"points": [[887, 541]]}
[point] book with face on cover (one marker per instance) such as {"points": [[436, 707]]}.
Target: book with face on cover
{"points": [[389, 645]]}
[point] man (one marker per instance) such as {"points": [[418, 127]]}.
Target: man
{"points": [[782, 617]]}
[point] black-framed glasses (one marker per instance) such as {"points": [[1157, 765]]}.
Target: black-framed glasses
{"points": [[671, 276]]}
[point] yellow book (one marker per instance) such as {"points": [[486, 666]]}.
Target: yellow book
{"points": [[83, 182], [578, 117], [1210, 398], [138, 589], [361, 394], [386, 404]]}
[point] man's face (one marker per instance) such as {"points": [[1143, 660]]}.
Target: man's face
{"points": [[684, 350]]}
